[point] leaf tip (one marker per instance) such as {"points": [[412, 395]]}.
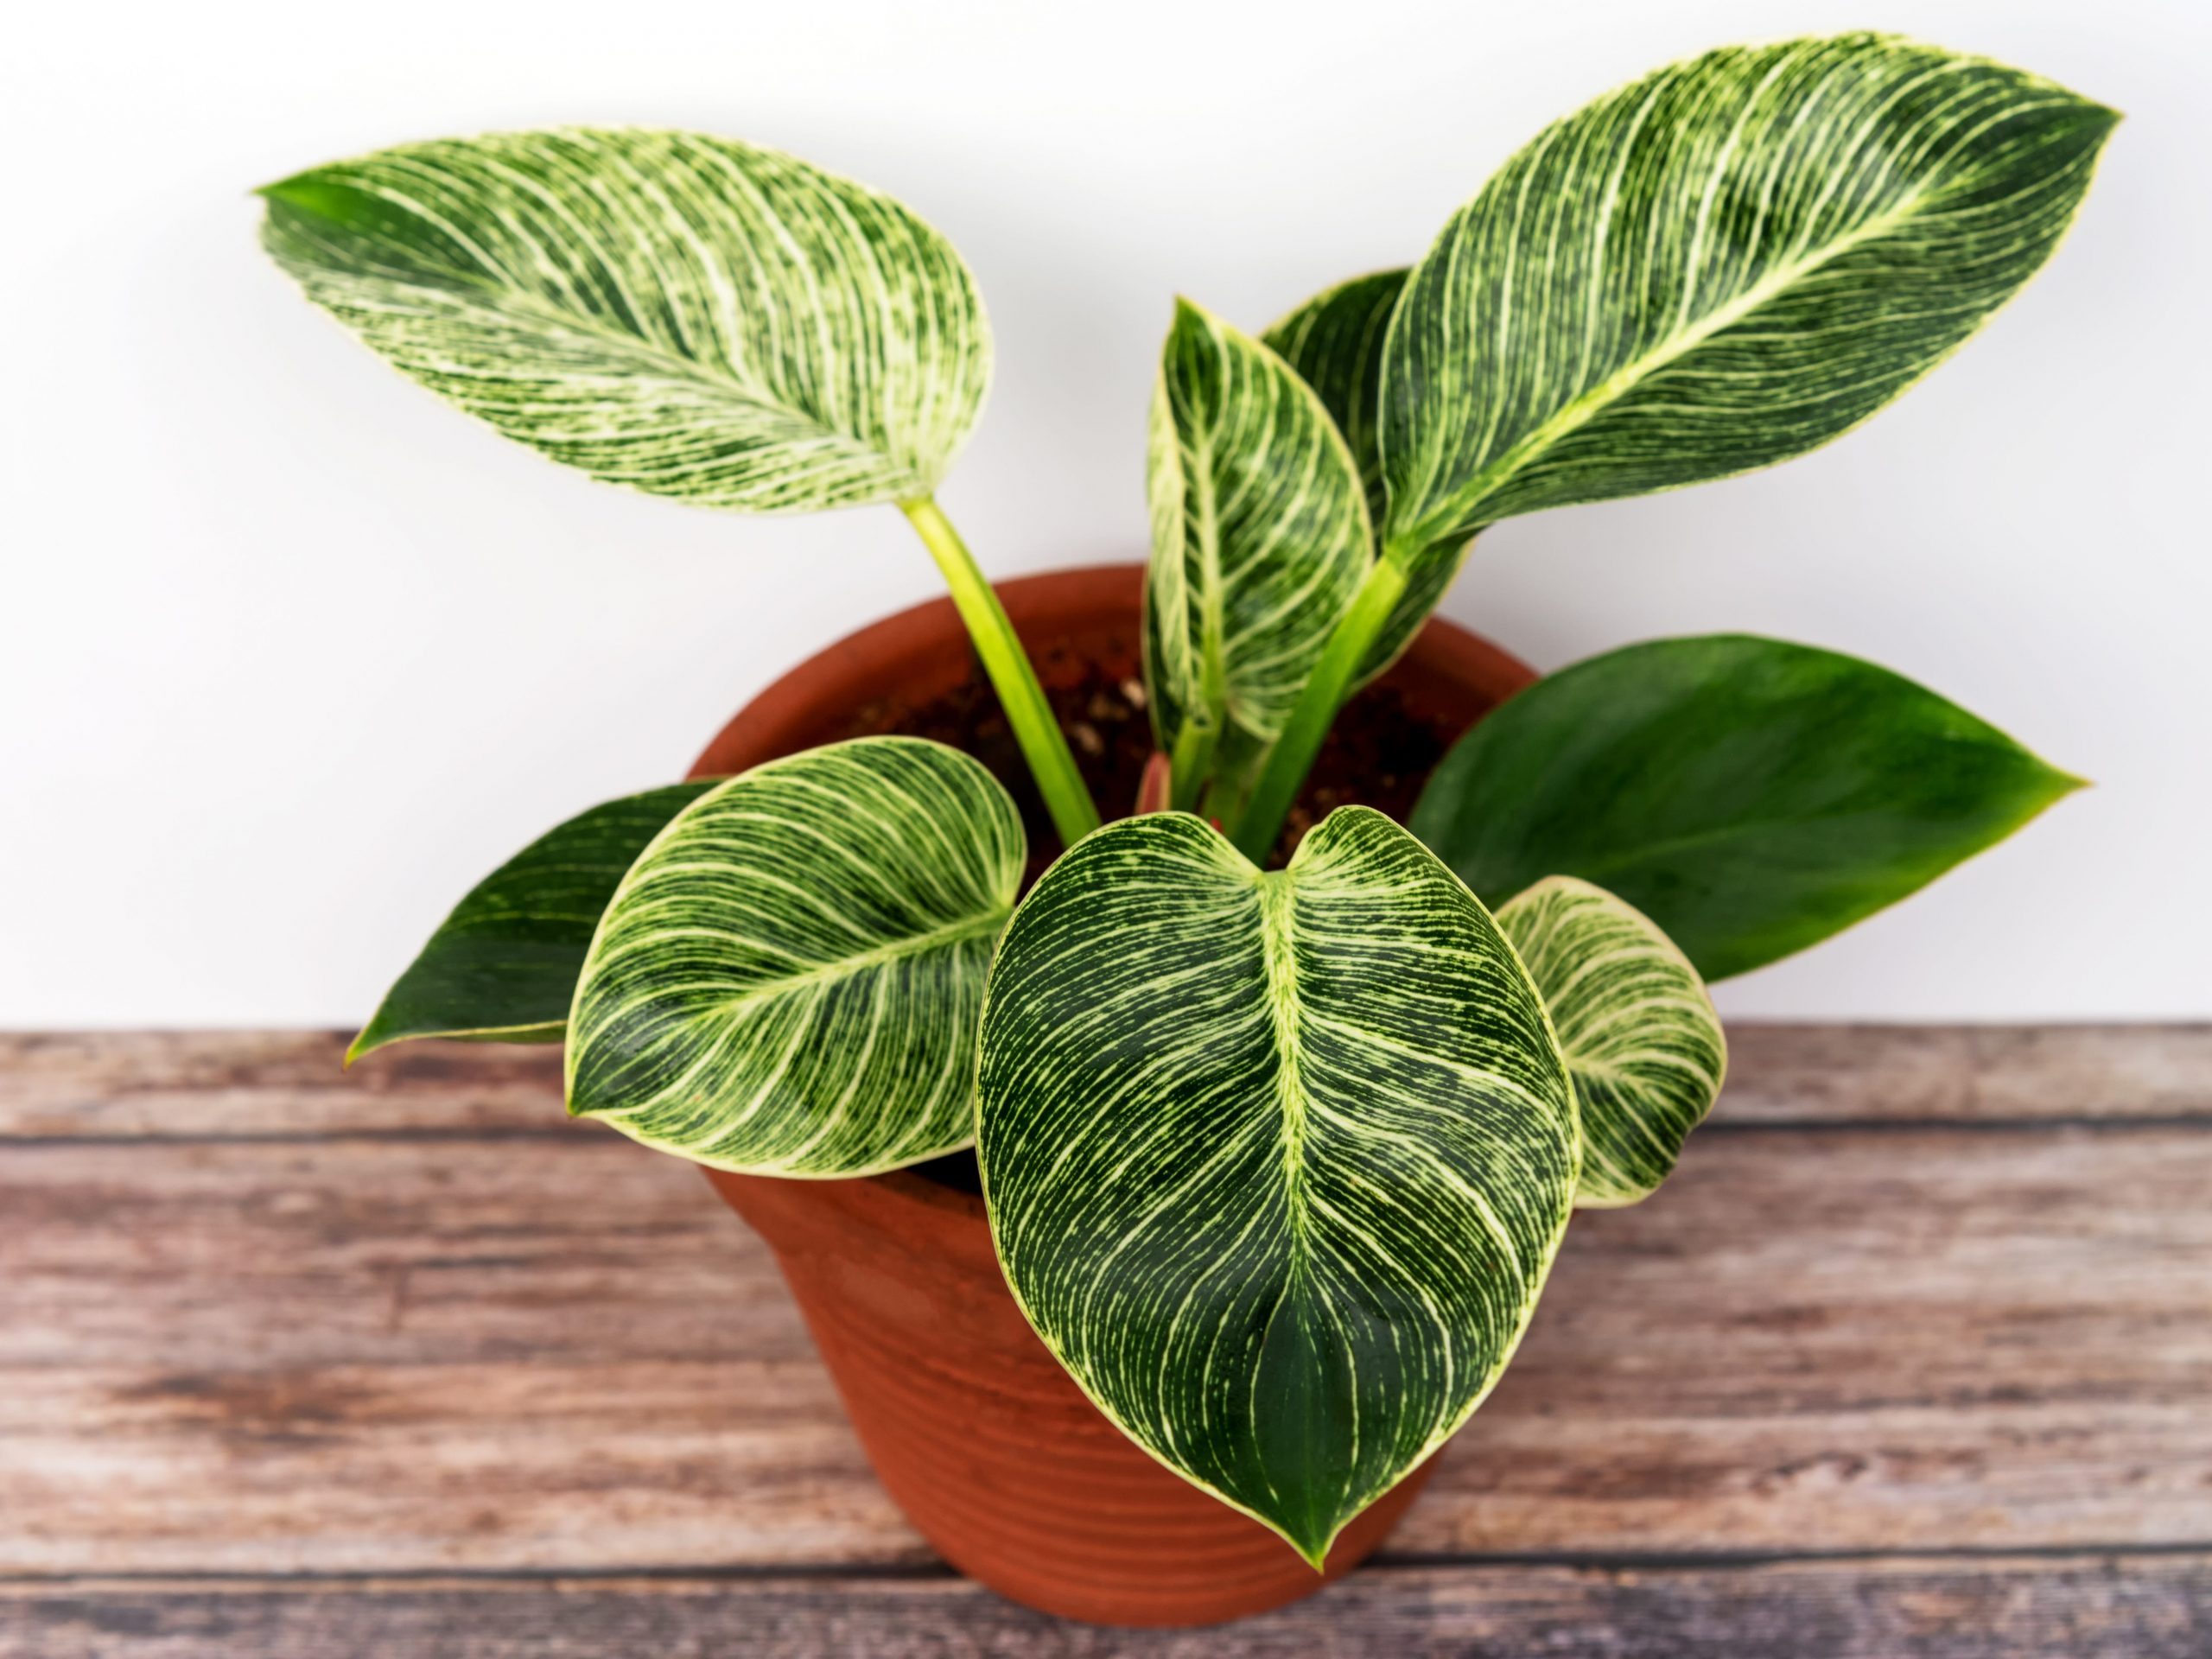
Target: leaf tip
{"points": [[2102, 113], [1611, 1199], [1313, 1549], [1190, 315], [2056, 784], [574, 1101], [318, 195], [294, 189]]}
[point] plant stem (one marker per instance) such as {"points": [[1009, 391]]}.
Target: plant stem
{"points": [[1035, 727], [1292, 757], [1194, 747]]}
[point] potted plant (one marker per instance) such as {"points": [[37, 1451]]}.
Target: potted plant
{"points": [[1163, 1194]]}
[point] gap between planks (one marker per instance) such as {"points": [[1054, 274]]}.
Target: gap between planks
{"points": [[1904, 1608], [285, 1085]]}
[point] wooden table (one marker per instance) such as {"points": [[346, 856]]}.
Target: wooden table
{"points": [[1913, 1358]]}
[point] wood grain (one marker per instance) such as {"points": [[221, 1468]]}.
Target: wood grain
{"points": [[1801, 1074], [389, 1355], [119, 1084], [132, 1085], [1937, 1295], [2078, 1607]]}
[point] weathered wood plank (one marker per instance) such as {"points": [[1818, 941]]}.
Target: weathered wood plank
{"points": [[396, 1355], [214, 1258], [1792, 1073], [262, 1082], [2074, 1608], [170, 1084]]}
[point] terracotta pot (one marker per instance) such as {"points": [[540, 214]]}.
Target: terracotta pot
{"points": [[982, 1439]]}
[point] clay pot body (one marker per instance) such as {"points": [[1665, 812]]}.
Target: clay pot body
{"points": [[976, 1431]]}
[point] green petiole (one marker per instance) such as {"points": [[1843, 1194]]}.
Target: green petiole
{"points": [[1036, 728], [1292, 757]]}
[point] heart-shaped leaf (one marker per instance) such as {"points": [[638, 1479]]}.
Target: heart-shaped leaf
{"points": [[503, 967], [1721, 265], [1276, 1164], [680, 313], [789, 980], [1642, 1044], [1259, 537], [1335, 342], [1750, 797]]}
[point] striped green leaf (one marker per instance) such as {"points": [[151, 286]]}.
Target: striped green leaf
{"points": [[789, 980], [684, 315], [1721, 265], [1335, 342], [1642, 1044], [1276, 1164], [503, 967], [1260, 536], [1752, 797]]}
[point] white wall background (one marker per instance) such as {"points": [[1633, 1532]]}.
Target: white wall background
{"points": [[290, 653]]}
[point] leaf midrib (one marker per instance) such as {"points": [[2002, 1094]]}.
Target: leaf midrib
{"points": [[1580, 411], [846, 967], [1277, 902], [1213, 667], [726, 1010], [684, 367], [1589, 870]]}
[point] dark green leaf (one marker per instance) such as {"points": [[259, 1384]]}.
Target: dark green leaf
{"points": [[503, 967], [1750, 797]]}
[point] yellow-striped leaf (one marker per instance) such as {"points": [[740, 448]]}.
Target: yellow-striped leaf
{"points": [[1260, 537], [683, 315], [1276, 1164], [1335, 342], [1723, 264], [1642, 1041], [789, 980]]}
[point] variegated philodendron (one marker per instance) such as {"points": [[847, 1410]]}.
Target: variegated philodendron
{"points": [[1642, 1042], [683, 315], [1335, 342], [1721, 265], [1260, 537], [1276, 1160], [679, 314], [788, 980]]}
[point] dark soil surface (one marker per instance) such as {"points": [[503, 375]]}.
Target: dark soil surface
{"points": [[1378, 754]]}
